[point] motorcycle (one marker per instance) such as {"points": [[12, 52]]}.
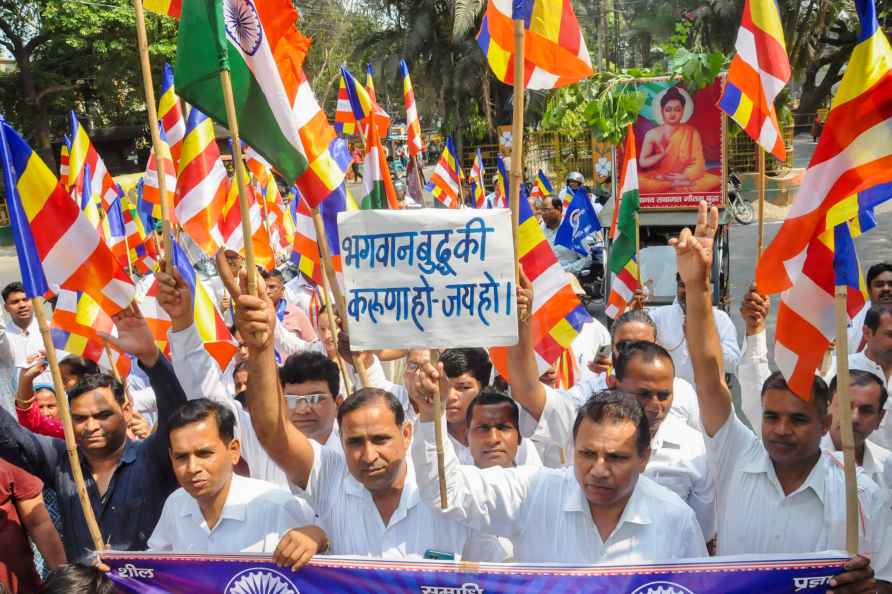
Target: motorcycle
{"points": [[741, 208]]}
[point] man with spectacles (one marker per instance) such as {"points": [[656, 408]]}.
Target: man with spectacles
{"points": [[311, 382]]}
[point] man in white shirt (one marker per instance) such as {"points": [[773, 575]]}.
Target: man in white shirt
{"points": [[644, 369], [467, 372], [598, 510], [671, 320], [879, 289], [18, 341], [552, 213], [780, 494], [366, 497], [216, 511]]}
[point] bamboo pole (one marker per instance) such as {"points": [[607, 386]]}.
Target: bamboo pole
{"points": [[760, 231], [232, 120], [843, 404], [329, 272], [438, 433], [67, 428], [149, 88], [517, 142], [638, 250], [333, 325]]}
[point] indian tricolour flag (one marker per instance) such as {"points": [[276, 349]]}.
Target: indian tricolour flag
{"points": [[278, 115], [621, 261], [378, 190]]}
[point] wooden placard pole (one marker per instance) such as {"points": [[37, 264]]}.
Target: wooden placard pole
{"points": [[340, 303], [760, 231], [239, 165], [332, 323], [517, 142], [149, 88], [67, 428], [843, 403], [438, 432]]}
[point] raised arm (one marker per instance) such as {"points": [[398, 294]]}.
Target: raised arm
{"points": [[693, 254], [753, 369], [286, 445], [522, 369]]}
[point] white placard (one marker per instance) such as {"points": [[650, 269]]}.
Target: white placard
{"points": [[428, 278]]}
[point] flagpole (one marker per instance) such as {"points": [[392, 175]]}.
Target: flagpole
{"points": [[760, 232], [232, 119], [843, 405], [335, 289], [67, 428], [517, 141], [438, 433], [149, 88], [638, 250], [332, 322]]}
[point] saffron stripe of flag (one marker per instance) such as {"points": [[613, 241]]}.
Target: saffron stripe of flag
{"points": [[170, 112], [413, 123], [67, 252], [849, 174], [444, 183], [555, 54], [759, 71], [277, 109], [77, 321], [81, 154], [202, 185]]}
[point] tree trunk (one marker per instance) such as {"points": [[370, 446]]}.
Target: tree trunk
{"points": [[814, 95], [39, 116]]}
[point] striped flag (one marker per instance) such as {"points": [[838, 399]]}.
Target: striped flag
{"points": [[77, 321], [758, 73], [155, 316], [558, 315], [276, 107], [306, 249], [202, 185], [170, 112], [144, 256], [171, 8], [413, 123], [445, 183], [849, 174], [501, 189], [67, 251], [364, 105], [345, 121], [478, 173], [63, 160], [370, 83], [231, 226], [82, 153], [212, 328], [541, 187], [341, 201], [151, 190], [555, 54], [621, 260], [377, 185]]}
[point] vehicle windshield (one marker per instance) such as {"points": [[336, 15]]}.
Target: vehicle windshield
{"points": [[658, 272]]}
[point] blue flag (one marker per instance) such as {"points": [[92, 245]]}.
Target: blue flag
{"points": [[580, 222]]}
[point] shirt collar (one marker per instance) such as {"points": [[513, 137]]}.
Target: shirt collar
{"points": [[131, 449], [234, 508], [409, 498], [815, 480], [667, 434], [635, 512]]}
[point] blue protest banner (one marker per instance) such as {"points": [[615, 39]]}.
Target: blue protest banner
{"points": [[145, 573], [579, 223]]}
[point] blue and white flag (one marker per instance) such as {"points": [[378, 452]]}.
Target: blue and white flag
{"points": [[580, 222]]}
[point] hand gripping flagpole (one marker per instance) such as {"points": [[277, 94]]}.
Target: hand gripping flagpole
{"points": [[438, 430], [149, 87], [332, 285], [845, 418], [67, 428], [232, 119]]}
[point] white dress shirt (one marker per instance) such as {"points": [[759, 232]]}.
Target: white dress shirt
{"points": [[354, 526], [526, 455], [875, 458], [670, 334], [254, 518], [756, 517], [546, 516], [677, 458], [856, 328], [592, 336]]}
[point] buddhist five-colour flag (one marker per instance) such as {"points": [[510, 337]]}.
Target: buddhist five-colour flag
{"points": [[555, 54], [170, 112], [82, 153], [151, 190], [445, 182], [478, 173], [413, 123], [758, 72], [305, 253]]}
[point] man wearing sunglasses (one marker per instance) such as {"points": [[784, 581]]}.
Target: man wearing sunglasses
{"points": [[311, 383]]}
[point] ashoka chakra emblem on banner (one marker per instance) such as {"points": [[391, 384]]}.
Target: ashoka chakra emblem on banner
{"points": [[243, 25], [661, 588], [260, 580]]}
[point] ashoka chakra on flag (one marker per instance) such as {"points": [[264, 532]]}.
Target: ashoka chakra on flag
{"points": [[243, 24]]}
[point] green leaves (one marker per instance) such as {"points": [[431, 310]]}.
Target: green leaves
{"points": [[698, 69]]}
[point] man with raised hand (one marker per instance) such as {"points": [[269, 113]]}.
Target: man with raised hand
{"points": [[600, 509], [366, 497], [217, 511], [780, 494]]}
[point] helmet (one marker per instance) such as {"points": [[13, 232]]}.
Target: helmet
{"points": [[575, 176]]}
